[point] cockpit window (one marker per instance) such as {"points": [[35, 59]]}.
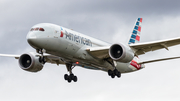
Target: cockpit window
{"points": [[37, 29], [41, 29], [32, 29]]}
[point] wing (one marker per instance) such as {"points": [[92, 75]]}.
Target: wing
{"points": [[139, 48], [10, 55], [54, 59], [99, 52], [142, 48], [49, 58]]}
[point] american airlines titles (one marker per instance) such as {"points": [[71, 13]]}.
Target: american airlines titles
{"points": [[76, 38]]}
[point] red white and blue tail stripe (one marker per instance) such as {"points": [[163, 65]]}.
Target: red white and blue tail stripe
{"points": [[135, 37]]}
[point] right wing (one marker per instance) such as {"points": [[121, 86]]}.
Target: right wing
{"points": [[10, 55], [49, 58]]}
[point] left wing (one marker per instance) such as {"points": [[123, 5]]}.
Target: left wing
{"points": [[142, 48], [99, 52], [139, 48], [102, 53], [54, 59]]}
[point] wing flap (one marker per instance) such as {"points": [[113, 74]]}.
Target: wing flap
{"points": [[54, 59], [142, 48], [99, 52]]}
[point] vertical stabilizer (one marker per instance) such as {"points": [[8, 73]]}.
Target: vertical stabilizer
{"points": [[135, 36]]}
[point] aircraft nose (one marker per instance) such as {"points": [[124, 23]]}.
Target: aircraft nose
{"points": [[31, 38]]}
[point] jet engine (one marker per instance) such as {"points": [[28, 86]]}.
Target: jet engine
{"points": [[30, 62], [121, 53]]}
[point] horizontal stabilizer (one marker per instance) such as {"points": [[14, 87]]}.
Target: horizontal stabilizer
{"points": [[157, 60]]}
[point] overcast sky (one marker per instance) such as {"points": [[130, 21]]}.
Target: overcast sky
{"points": [[108, 20]]}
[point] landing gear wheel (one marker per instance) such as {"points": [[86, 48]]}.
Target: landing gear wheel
{"points": [[69, 80], [71, 76], [114, 73], [66, 77], [110, 72], [75, 79], [42, 60], [119, 74]]}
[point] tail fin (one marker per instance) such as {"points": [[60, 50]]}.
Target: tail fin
{"points": [[135, 37]]}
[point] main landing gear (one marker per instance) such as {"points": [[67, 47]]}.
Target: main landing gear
{"points": [[71, 76], [114, 73]]}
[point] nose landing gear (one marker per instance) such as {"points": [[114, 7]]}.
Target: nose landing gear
{"points": [[41, 58]]}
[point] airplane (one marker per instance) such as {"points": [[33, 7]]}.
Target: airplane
{"points": [[58, 45]]}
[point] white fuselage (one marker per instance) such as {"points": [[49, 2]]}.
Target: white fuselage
{"points": [[72, 47]]}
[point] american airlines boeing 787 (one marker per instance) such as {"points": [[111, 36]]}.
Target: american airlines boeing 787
{"points": [[58, 45]]}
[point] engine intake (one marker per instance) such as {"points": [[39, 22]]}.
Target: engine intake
{"points": [[121, 53], [30, 62]]}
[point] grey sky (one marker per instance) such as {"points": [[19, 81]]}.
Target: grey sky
{"points": [[108, 20]]}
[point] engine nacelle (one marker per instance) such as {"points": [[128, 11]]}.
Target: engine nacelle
{"points": [[30, 62], [121, 53]]}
